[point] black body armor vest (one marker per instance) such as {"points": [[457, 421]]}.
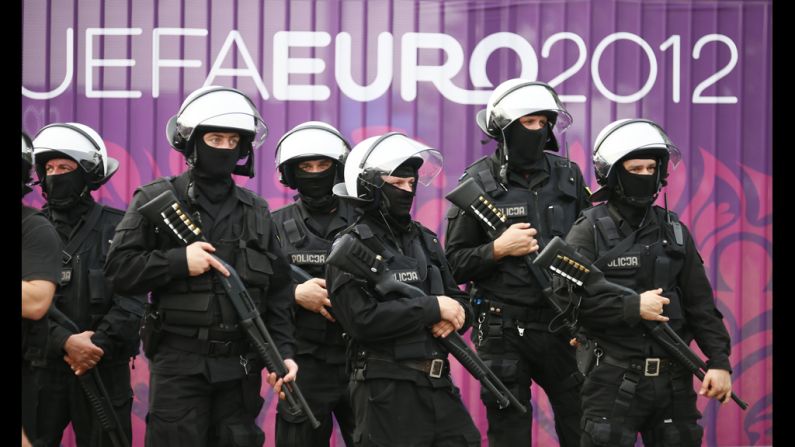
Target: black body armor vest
{"points": [[197, 306], [306, 249], [551, 208], [649, 258], [84, 294]]}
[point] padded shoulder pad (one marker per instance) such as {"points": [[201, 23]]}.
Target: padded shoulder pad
{"points": [[453, 212], [259, 201], [113, 211], [156, 186]]}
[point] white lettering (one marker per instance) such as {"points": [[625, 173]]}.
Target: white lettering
{"points": [[440, 75], [250, 71], [407, 276], [446, 76], [480, 55], [283, 65], [91, 62], [67, 79], [343, 68], [171, 63], [627, 261]]}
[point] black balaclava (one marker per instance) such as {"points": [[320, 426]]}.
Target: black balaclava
{"points": [[396, 201], [525, 146], [213, 169], [64, 191], [315, 188], [68, 200], [633, 194]]}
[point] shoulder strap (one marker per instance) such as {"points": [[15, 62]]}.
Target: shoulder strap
{"points": [[481, 172], [604, 224], [294, 234], [622, 246], [368, 238], [88, 226]]}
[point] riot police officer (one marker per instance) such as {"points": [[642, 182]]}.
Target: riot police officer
{"points": [[541, 194], [399, 367], [636, 386], [41, 252], [310, 158], [71, 161], [205, 377], [41, 268]]}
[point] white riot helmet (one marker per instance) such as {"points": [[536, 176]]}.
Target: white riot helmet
{"points": [[79, 143], [381, 155], [516, 98], [27, 163], [312, 139], [218, 108], [631, 138]]}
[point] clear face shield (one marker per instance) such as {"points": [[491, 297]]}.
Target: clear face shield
{"points": [[430, 161], [632, 136], [376, 157], [311, 142], [525, 100], [243, 123], [27, 149]]}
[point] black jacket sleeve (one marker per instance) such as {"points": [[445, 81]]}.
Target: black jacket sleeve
{"points": [[118, 330], [469, 250], [135, 264], [701, 315], [364, 317]]}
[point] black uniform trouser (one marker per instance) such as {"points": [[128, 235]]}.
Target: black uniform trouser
{"points": [[653, 411], [325, 387], [55, 398], [189, 411], [393, 412], [518, 360]]}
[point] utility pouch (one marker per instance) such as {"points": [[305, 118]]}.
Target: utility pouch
{"points": [[587, 352], [151, 331]]}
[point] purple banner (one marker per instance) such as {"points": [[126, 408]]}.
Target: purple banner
{"points": [[702, 69]]}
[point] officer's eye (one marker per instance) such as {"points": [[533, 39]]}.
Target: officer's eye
{"points": [[234, 140]]}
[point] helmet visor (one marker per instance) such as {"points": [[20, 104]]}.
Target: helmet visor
{"points": [[311, 142], [394, 150], [528, 99], [243, 123]]}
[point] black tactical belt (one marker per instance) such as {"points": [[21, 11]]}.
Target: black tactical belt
{"points": [[213, 333], [649, 367], [520, 313], [210, 348], [434, 368]]}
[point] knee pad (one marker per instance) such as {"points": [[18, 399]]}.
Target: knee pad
{"points": [[240, 435], [604, 433], [506, 370], [284, 413], [677, 434]]}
